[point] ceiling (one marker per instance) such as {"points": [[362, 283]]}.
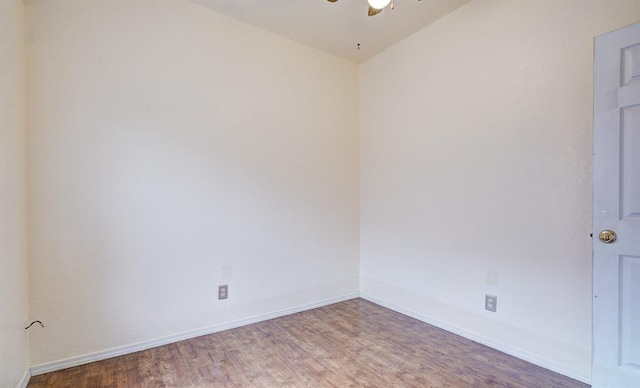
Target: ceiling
{"points": [[338, 27]]}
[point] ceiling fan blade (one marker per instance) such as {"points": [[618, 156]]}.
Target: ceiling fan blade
{"points": [[373, 11]]}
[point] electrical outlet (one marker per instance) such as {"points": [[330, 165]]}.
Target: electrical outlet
{"points": [[491, 302], [223, 291]]}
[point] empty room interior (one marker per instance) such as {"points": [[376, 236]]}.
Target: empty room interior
{"points": [[154, 150]]}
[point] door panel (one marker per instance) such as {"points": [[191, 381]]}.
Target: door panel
{"points": [[631, 71], [616, 265], [630, 163], [630, 311]]}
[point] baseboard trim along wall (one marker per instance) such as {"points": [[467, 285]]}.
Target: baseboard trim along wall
{"points": [[24, 380], [512, 351], [122, 350]]}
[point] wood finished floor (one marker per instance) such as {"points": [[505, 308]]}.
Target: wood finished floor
{"points": [[350, 344]]}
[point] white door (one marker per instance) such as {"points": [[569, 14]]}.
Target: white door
{"points": [[616, 264]]}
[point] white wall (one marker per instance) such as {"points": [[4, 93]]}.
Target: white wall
{"points": [[14, 348], [476, 141], [171, 150]]}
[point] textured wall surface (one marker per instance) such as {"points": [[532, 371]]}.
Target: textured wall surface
{"points": [[171, 150], [14, 310], [476, 141]]}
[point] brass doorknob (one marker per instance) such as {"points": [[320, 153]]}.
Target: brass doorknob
{"points": [[608, 236]]}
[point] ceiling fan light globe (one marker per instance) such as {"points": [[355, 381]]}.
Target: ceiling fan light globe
{"points": [[378, 4]]}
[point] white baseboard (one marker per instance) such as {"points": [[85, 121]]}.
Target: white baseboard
{"points": [[519, 353], [122, 350], [24, 380]]}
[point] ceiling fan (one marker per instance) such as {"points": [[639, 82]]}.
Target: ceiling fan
{"points": [[375, 6]]}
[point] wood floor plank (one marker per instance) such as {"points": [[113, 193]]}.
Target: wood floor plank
{"points": [[350, 344]]}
